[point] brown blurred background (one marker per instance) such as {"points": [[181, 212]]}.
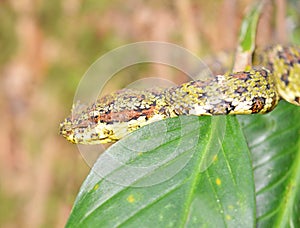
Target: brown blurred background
{"points": [[45, 48]]}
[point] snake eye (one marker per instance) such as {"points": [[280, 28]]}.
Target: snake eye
{"points": [[94, 116]]}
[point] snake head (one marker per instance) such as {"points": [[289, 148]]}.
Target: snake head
{"points": [[84, 126], [112, 117]]}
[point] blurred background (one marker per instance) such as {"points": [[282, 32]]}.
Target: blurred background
{"points": [[46, 47]]}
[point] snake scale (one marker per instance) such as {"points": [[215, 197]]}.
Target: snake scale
{"points": [[257, 90]]}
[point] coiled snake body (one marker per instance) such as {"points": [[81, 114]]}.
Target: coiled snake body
{"points": [[257, 90]]}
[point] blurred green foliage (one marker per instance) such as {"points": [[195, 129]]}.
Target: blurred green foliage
{"points": [[8, 42]]}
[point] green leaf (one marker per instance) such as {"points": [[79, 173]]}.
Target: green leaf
{"points": [[274, 141], [248, 28], [200, 175], [243, 56]]}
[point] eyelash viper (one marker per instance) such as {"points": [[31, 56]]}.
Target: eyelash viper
{"points": [[257, 90]]}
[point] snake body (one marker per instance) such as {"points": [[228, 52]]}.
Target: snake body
{"points": [[257, 90]]}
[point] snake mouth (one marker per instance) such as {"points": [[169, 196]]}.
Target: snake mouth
{"points": [[86, 132]]}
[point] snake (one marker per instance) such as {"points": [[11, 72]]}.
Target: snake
{"points": [[274, 75]]}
